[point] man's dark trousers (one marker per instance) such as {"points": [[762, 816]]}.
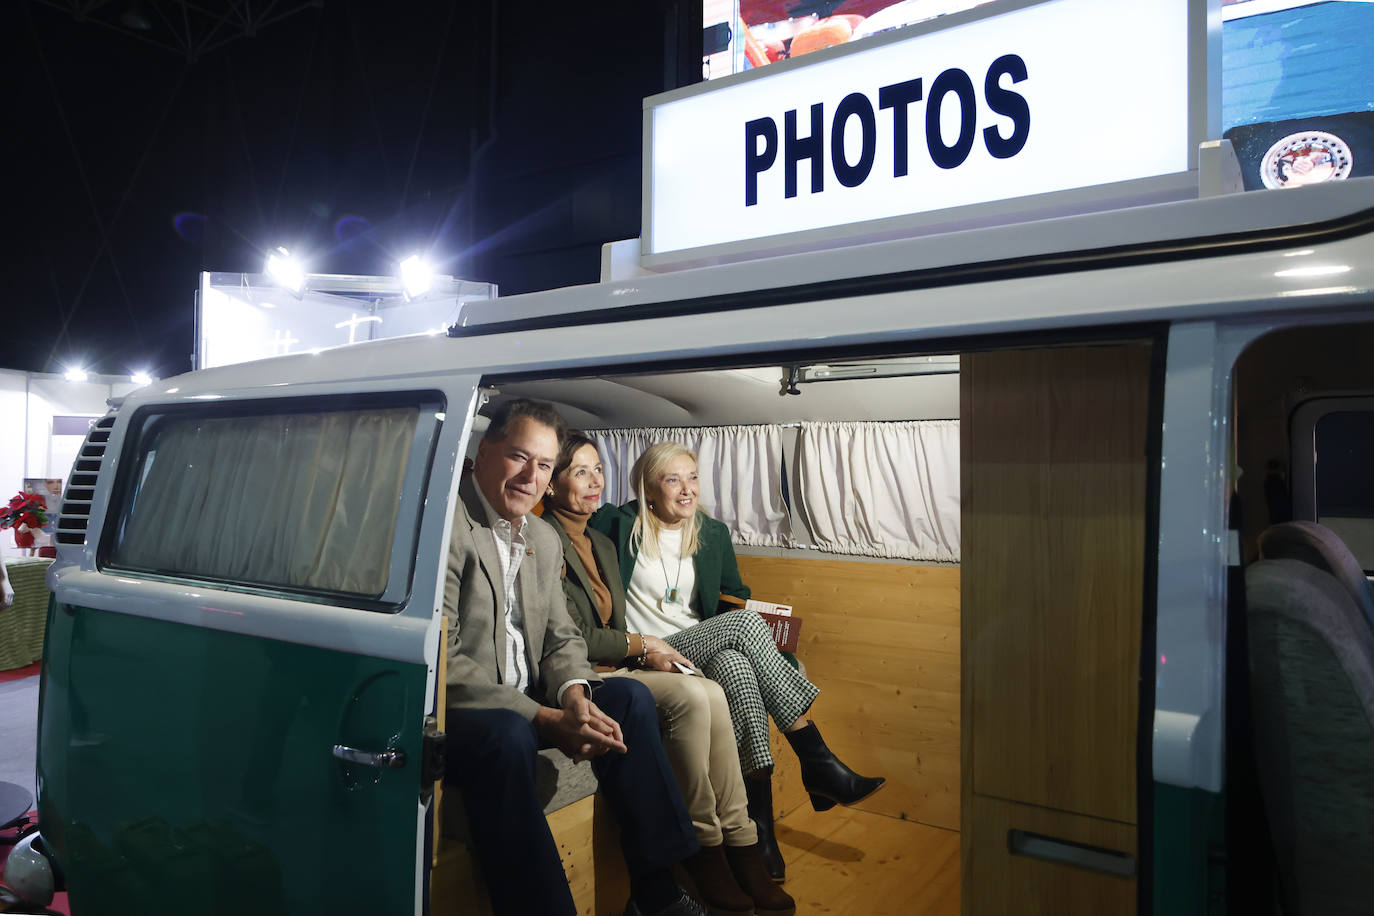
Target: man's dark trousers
{"points": [[491, 761]]}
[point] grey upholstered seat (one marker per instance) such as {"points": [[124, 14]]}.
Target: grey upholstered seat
{"points": [[1312, 690], [1320, 546], [559, 781]]}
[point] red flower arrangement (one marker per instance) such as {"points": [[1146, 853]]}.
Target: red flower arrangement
{"points": [[26, 513]]}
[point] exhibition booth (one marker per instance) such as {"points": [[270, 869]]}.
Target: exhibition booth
{"points": [[239, 317], [45, 417]]}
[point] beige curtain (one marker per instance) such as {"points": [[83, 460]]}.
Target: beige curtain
{"points": [[740, 470], [882, 489], [300, 500]]}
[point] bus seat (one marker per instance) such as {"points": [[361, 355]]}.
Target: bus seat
{"points": [[1321, 547], [1312, 692], [559, 781]]}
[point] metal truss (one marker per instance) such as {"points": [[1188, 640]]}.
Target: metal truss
{"points": [[189, 29]]}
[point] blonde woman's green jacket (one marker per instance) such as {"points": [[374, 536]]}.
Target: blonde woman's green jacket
{"points": [[716, 568]]}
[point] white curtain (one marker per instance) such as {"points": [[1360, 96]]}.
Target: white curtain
{"points": [[740, 470], [882, 489], [302, 500]]}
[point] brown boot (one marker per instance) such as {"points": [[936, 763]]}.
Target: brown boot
{"points": [[752, 876], [714, 882]]}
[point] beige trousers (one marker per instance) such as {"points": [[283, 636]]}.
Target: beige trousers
{"points": [[700, 742]]}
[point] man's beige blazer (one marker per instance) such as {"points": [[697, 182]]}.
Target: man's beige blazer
{"points": [[475, 607]]}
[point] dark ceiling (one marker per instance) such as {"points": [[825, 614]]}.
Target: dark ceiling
{"points": [[152, 140]]}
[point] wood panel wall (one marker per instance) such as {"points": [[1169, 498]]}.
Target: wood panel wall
{"points": [[1054, 553], [1053, 473], [998, 883], [881, 640]]}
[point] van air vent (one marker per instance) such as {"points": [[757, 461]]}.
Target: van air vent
{"points": [[80, 492]]}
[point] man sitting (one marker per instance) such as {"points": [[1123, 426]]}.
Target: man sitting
{"points": [[518, 681]]}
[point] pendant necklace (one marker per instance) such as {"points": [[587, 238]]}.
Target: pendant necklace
{"points": [[672, 596]]}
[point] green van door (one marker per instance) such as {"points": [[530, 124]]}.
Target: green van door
{"points": [[240, 653]]}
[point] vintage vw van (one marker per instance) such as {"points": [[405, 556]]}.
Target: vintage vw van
{"points": [[239, 682], [1060, 611]]}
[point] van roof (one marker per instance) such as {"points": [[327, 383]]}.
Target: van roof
{"points": [[1226, 222], [1225, 256]]}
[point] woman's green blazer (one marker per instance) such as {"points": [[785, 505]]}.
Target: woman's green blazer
{"points": [[716, 568], [605, 642]]}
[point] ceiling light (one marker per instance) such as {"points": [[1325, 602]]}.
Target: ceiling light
{"points": [[887, 368], [75, 374], [417, 276], [141, 378], [285, 270]]}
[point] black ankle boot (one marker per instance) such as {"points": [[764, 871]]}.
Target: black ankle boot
{"points": [[758, 787], [827, 779]]}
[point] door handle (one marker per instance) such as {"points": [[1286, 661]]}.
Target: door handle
{"points": [[382, 760], [1067, 852]]}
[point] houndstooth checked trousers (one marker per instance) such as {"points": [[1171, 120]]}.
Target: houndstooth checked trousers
{"points": [[736, 650]]}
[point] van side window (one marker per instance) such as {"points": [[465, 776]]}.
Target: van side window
{"points": [[304, 500], [1344, 445], [1331, 437]]}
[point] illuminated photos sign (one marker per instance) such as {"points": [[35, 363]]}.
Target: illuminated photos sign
{"points": [[1013, 100]]}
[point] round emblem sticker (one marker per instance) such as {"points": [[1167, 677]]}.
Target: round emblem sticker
{"points": [[1310, 157]]}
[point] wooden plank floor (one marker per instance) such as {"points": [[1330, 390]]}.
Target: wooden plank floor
{"points": [[856, 863]]}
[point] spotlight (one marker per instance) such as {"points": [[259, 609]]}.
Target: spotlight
{"points": [[285, 270], [75, 374], [417, 276], [141, 378]]}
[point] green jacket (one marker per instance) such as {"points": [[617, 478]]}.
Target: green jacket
{"points": [[714, 562], [605, 641]]}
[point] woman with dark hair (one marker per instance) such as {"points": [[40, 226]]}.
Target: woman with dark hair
{"points": [[677, 562], [729, 871]]}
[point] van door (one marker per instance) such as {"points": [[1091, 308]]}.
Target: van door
{"points": [[241, 654], [1055, 472]]}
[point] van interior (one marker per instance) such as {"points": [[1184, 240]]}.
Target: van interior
{"points": [[925, 677], [1004, 688]]}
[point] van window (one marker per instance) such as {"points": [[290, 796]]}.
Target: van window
{"points": [[1343, 442], [304, 500]]}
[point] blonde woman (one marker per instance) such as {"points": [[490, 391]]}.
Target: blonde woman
{"points": [[728, 871], [676, 562]]}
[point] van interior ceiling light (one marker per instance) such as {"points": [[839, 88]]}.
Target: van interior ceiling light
{"points": [[75, 374], [417, 276], [285, 270], [883, 368]]}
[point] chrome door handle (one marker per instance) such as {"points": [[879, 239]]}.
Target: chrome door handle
{"points": [[382, 760]]}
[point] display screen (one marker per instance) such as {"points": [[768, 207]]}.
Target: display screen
{"points": [[760, 32], [1297, 77]]}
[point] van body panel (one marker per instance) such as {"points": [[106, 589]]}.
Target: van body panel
{"points": [[180, 763], [1195, 481], [188, 726], [399, 637]]}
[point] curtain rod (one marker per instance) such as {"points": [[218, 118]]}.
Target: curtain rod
{"points": [[796, 425]]}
